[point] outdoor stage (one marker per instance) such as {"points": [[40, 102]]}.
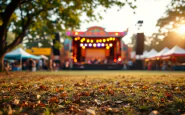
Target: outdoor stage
{"points": [[96, 49], [97, 66]]}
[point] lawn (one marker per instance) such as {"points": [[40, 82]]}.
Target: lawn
{"points": [[92, 92]]}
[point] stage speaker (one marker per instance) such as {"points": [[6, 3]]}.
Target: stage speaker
{"points": [[140, 43], [56, 51]]}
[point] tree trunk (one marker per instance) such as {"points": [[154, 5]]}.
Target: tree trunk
{"points": [[2, 62]]}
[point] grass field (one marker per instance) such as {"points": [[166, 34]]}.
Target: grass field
{"points": [[92, 92]]}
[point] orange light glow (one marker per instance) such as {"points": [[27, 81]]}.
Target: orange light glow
{"points": [[75, 60], [107, 47], [114, 60], [76, 39], [110, 38], [116, 34], [83, 47], [113, 39]]}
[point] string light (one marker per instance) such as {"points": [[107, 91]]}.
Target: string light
{"points": [[113, 39], [76, 33], [116, 34], [102, 44], [87, 40], [110, 38], [81, 44], [91, 41], [110, 44], [94, 45], [107, 47], [104, 40], [90, 45], [83, 47], [98, 45]]}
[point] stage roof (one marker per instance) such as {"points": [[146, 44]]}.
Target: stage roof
{"points": [[96, 31]]}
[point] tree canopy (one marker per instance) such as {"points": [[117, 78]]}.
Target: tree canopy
{"points": [[38, 18], [170, 26]]}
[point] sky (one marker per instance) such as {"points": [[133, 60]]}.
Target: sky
{"points": [[147, 10]]}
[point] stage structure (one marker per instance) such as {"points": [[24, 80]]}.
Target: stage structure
{"points": [[96, 48]]}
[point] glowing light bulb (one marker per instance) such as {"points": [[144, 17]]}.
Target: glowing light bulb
{"points": [[90, 45], [81, 44], [91, 41], [110, 44], [94, 45], [98, 45], [87, 40], [102, 44], [85, 45], [76, 33]]}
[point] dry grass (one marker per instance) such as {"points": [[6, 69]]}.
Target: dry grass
{"points": [[100, 92]]}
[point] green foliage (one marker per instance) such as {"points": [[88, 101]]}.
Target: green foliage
{"points": [[168, 24]]}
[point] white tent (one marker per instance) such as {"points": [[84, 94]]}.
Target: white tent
{"points": [[151, 53], [144, 54], [19, 53], [44, 57], [133, 54], [163, 51], [175, 51]]}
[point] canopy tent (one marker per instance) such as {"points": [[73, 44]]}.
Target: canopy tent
{"points": [[151, 53], [175, 51], [144, 54], [19, 53], [163, 51], [43, 57]]}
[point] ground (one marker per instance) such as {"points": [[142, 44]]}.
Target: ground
{"points": [[92, 92]]}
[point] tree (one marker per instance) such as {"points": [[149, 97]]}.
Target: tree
{"points": [[29, 17], [169, 24]]}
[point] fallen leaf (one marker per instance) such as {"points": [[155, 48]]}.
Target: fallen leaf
{"points": [[154, 112], [98, 102], [90, 112]]}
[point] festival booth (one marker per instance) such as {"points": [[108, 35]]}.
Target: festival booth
{"points": [[163, 51], [151, 54], [20, 54], [176, 55], [43, 57]]}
